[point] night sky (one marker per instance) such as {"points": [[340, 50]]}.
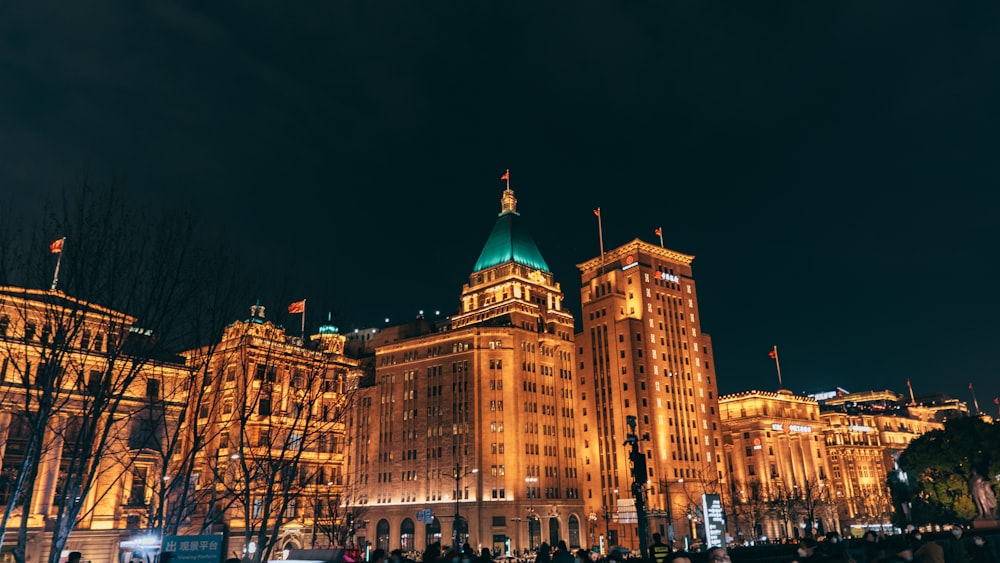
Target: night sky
{"points": [[834, 167]]}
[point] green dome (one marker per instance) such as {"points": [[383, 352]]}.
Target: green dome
{"points": [[510, 242]]}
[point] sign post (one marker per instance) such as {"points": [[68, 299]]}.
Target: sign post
{"points": [[715, 524]]}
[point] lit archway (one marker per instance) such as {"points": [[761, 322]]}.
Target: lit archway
{"points": [[574, 531], [433, 533], [382, 534], [406, 535], [554, 535]]}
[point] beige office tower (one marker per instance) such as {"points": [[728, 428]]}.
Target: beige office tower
{"points": [[642, 353], [471, 432]]}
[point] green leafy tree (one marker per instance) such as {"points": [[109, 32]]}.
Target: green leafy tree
{"points": [[932, 486]]}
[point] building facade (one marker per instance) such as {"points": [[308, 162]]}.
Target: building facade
{"points": [[82, 399], [865, 434], [469, 431], [777, 457], [267, 441], [642, 353]]}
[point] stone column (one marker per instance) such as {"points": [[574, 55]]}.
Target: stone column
{"points": [[48, 469]]}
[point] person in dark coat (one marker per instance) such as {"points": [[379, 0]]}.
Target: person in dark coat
{"points": [[562, 553], [544, 554], [808, 552], [432, 553], [955, 550], [980, 551]]}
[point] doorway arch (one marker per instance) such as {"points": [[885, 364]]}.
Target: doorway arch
{"points": [[406, 535], [574, 531], [554, 531], [432, 533], [382, 534]]}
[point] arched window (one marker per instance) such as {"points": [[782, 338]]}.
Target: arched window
{"points": [[574, 531], [406, 535], [554, 531], [433, 533], [534, 532], [382, 534]]}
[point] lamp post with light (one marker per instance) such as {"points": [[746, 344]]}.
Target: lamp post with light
{"points": [[592, 517], [458, 496]]}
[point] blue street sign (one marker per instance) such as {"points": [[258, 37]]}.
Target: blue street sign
{"points": [[193, 549]]}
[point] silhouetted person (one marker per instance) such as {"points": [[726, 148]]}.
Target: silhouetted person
{"points": [[74, 557], [544, 554], [659, 551], [981, 552], [955, 550], [432, 553], [562, 553]]}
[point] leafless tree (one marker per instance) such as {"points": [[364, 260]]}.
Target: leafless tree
{"points": [[749, 508], [815, 503], [783, 506], [84, 350]]}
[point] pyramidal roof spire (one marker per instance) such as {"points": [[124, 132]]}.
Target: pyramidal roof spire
{"points": [[510, 242]]}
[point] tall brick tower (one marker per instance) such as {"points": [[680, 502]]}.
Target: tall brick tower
{"points": [[642, 353]]}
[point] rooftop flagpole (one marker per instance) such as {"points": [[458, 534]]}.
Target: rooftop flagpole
{"points": [[600, 233], [910, 387], [659, 233], [774, 354], [56, 247], [975, 403], [300, 308]]}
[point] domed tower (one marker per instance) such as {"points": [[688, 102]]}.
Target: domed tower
{"points": [[511, 284], [476, 423]]}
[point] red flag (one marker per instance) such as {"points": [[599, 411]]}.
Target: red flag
{"points": [[970, 386], [773, 354], [908, 383], [658, 232], [506, 175], [297, 307], [996, 400], [56, 246], [597, 212]]}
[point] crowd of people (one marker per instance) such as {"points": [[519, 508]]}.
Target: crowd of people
{"points": [[913, 546]]}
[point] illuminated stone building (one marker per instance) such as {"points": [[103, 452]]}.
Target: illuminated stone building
{"points": [[473, 427], [269, 426], [777, 458], [858, 470], [642, 353], [81, 355], [866, 432]]}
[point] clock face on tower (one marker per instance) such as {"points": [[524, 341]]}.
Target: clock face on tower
{"points": [[628, 260]]}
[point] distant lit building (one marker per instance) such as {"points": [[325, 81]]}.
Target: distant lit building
{"points": [[867, 431], [642, 353], [469, 431], [777, 458]]}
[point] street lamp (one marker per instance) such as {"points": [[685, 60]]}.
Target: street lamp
{"points": [[458, 496], [593, 523]]}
